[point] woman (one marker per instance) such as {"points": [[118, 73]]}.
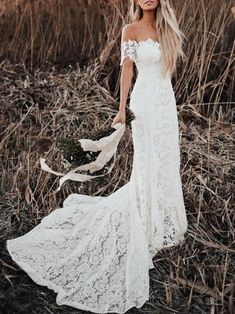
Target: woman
{"points": [[96, 251]]}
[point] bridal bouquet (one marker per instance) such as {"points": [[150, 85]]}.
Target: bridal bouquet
{"points": [[91, 154]]}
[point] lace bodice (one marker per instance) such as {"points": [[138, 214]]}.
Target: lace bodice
{"points": [[147, 56], [129, 48]]}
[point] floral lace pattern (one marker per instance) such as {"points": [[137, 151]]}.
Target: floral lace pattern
{"points": [[96, 251], [129, 48]]}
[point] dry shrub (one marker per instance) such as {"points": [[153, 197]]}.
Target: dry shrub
{"points": [[196, 277], [75, 90], [80, 31]]}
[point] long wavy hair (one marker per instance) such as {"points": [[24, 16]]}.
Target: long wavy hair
{"points": [[169, 34]]}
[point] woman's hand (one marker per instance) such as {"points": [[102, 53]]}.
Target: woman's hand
{"points": [[120, 117]]}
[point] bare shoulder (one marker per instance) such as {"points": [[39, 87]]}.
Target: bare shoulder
{"points": [[129, 27], [128, 31]]}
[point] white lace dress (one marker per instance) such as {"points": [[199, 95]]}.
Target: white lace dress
{"points": [[96, 251]]}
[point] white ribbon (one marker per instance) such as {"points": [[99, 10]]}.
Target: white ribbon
{"points": [[106, 145]]}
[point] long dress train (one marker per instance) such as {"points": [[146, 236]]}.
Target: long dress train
{"points": [[96, 251]]}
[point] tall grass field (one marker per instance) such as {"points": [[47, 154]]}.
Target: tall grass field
{"points": [[60, 77]]}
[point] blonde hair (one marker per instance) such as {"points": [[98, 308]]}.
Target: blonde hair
{"points": [[169, 34]]}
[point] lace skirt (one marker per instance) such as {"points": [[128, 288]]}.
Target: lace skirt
{"points": [[156, 165]]}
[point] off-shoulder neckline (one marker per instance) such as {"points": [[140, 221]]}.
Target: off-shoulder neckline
{"points": [[143, 41]]}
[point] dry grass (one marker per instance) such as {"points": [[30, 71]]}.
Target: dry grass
{"points": [[58, 84], [42, 32]]}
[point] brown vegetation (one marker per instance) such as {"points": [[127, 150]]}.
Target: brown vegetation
{"points": [[59, 77]]}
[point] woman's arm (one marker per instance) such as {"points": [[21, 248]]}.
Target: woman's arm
{"points": [[127, 69], [126, 73]]}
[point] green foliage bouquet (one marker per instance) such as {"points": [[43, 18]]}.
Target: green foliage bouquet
{"points": [[91, 154]]}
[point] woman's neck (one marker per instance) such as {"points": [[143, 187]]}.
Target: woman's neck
{"points": [[148, 18]]}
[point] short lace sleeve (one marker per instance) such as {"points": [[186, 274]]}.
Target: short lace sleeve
{"points": [[128, 49]]}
